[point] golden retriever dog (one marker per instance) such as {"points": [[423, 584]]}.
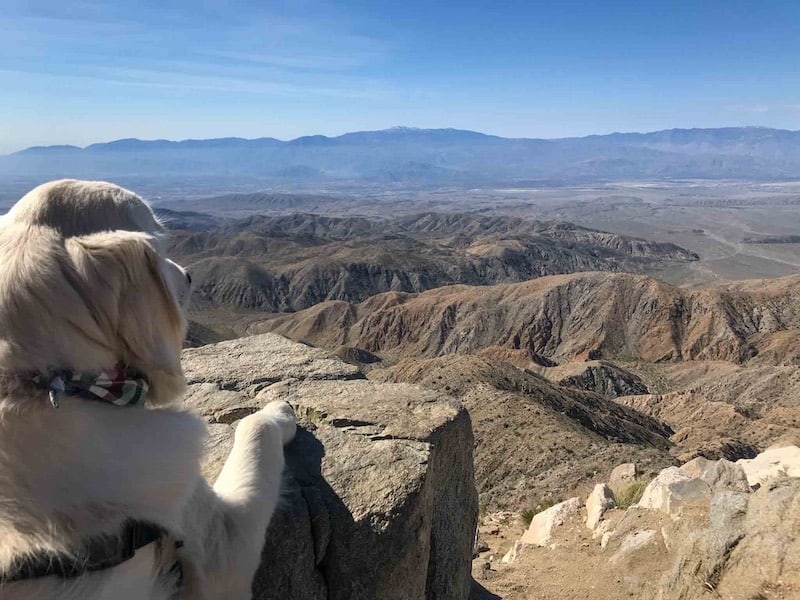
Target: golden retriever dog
{"points": [[101, 494]]}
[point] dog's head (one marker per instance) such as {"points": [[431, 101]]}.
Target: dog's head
{"points": [[74, 207], [84, 286]]}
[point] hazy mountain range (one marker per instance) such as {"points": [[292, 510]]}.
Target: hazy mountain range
{"points": [[427, 157]]}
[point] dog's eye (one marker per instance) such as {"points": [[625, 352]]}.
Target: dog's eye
{"points": [[188, 278]]}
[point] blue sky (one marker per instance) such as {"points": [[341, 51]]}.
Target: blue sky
{"points": [[84, 71]]}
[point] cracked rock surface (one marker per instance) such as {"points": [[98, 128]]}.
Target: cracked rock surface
{"points": [[379, 499], [749, 549]]}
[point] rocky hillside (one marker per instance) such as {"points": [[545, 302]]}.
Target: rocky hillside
{"points": [[380, 498], [563, 376], [535, 441], [540, 439], [601, 376], [709, 529], [566, 317], [291, 263], [723, 409], [524, 359]]}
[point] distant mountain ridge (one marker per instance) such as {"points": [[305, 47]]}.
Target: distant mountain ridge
{"points": [[565, 318], [429, 157]]}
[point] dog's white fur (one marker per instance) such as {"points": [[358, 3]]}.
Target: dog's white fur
{"points": [[84, 286]]}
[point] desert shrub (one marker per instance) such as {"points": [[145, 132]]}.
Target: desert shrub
{"points": [[527, 515], [630, 494]]}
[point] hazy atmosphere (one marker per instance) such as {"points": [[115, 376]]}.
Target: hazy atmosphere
{"points": [[86, 72], [500, 299]]}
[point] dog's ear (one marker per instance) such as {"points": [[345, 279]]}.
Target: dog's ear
{"points": [[48, 315], [132, 302]]}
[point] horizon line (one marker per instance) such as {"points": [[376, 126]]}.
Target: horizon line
{"points": [[390, 129]]}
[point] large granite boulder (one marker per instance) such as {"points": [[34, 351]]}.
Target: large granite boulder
{"points": [[773, 463], [749, 549], [380, 498], [671, 489], [718, 474]]}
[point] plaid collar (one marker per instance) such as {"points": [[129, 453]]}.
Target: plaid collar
{"points": [[117, 386]]}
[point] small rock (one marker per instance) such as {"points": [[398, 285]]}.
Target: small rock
{"points": [[598, 502], [480, 547], [540, 531], [623, 475], [517, 550], [633, 542], [671, 489], [667, 535], [606, 538], [602, 528], [483, 571]]}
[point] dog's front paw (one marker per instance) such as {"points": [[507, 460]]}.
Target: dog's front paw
{"points": [[282, 414]]}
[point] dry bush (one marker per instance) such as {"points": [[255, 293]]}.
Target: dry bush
{"points": [[630, 494], [527, 515]]}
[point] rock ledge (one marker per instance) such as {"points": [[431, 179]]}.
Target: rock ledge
{"points": [[380, 497]]}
